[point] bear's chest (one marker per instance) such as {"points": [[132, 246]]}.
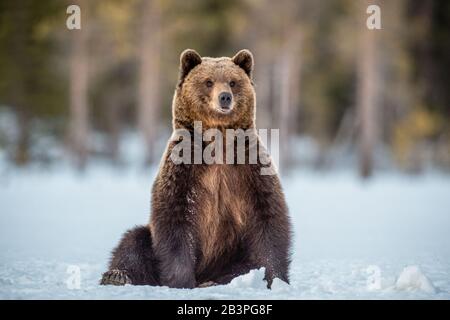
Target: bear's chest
{"points": [[222, 210]]}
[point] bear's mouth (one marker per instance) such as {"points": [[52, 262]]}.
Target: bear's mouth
{"points": [[224, 110]]}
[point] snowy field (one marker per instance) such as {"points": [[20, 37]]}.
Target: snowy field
{"points": [[387, 238]]}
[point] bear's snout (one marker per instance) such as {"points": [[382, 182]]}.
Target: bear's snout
{"points": [[225, 99]]}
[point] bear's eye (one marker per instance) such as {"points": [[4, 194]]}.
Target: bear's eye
{"points": [[209, 83], [232, 84]]}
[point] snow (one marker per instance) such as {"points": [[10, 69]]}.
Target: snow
{"points": [[412, 278], [387, 238]]}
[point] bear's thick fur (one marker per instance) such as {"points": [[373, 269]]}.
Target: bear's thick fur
{"points": [[209, 222]]}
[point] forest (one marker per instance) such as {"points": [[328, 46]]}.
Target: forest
{"points": [[342, 95]]}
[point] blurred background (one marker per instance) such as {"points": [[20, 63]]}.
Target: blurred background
{"points": [[364, 119], [342, 95]]}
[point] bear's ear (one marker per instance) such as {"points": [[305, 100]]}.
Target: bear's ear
{"points": [[244, 59], [188, 60]]}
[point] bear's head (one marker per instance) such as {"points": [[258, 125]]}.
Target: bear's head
{"points": [[216, 91]]}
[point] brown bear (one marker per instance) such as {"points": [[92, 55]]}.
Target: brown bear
{"points": [[209, 222]]}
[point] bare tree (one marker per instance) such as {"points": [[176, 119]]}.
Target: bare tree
{"points": [[289, 88], [367, 92], [149, 74], [278, 44], [19, 90], [78, 117]]}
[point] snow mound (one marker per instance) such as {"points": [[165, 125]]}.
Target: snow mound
{"points": [[412, 279], [254, 279], [280, 286]]}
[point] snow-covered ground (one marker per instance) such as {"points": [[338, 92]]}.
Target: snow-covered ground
{"points": [[386, 238]]}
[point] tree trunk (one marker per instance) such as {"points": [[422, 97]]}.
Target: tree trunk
{"points": [[367, 100], [149, 75], [114, 102], [22, 154], [19, 92], [285, 108], [78, 121], [263, 93], [289, 87]]}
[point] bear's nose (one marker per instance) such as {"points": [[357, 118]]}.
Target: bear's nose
{"points": [[225, 100]]}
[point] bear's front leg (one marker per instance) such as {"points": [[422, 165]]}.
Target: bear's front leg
{"points": [[269, 236], [270, 250], [173, 227], [175, 258]]}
